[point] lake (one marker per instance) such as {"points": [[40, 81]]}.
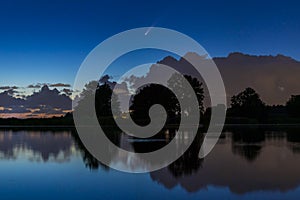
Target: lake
{"points": [[247, 163]]}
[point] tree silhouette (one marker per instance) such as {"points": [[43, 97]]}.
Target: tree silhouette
{"points": [[176, 83], [86, 97], [103, 98], [147, 97], [247, 104], [293, 106], [157, 94]]}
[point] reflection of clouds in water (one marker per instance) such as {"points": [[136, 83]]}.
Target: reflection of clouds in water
{"points": [[37, 146], [274, 167]]}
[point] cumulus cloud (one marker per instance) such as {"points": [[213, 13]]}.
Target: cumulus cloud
{"points": [[44, 102], [275, 78], [67, 91], [11, 92], [6, 99]]}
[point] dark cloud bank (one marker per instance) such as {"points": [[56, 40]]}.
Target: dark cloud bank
{"points": [[275, 78], [46, 102]]}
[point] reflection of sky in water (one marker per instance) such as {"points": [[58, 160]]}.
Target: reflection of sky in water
{"points": [[36, 146], [47, 165]]}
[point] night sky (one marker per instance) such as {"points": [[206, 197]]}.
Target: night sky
{"points": [[46, 41]]}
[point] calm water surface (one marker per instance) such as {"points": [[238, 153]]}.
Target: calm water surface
{"points": [[246, 163]]}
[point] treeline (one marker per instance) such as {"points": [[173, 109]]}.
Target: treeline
{"points": [[66, 120], [245, 107]]}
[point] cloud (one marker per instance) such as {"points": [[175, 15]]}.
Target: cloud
{"points": [[6, 99], [39, 85], [59, 85], [34, 86], [49, 97], [45, 102], [275, 78], [8, 87], [4, 88], [67, 91], [11, 92]]}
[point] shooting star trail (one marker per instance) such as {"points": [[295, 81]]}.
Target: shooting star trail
{"points": [[148, 30]]}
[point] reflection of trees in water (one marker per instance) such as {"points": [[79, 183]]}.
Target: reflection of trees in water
{"points": [[295, 148], [248, 151], [104, 98], [247, 142], [89, 160], [155, 142], [189, 162], [293, 136], [248, 135]]}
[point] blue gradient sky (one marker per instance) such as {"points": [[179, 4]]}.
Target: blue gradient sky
{"points": [[46, 41]]}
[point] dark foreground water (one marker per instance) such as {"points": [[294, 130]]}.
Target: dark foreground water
{"points": [[247, 163]]}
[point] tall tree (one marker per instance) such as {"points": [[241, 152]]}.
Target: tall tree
{"points": [[293, 106], [176, 83], [247, 104], [148, 96], [157, 94], [103, 98]]}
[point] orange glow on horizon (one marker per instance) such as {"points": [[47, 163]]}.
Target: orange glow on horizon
{"points": [[28, 115]]}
